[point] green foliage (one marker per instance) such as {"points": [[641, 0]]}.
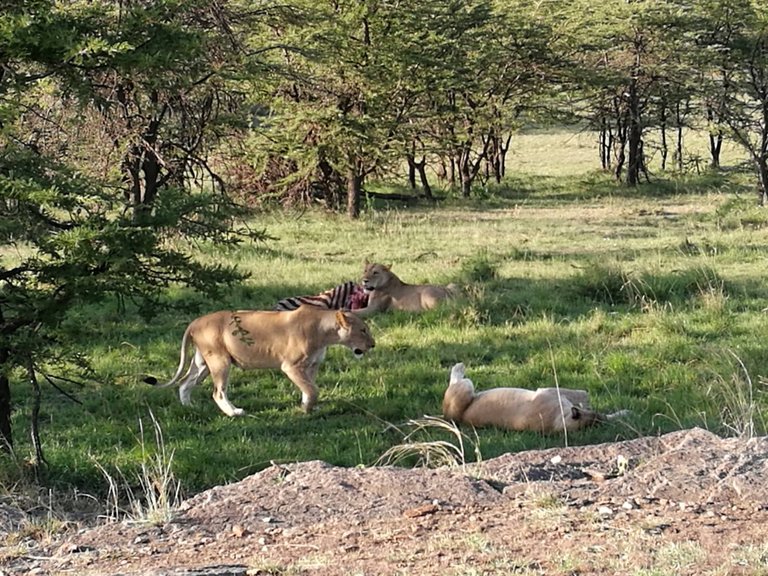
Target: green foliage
{"points": [[83, 225]]}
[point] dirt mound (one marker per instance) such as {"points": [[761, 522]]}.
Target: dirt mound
{"points": [[604, 508], [688, 466]]}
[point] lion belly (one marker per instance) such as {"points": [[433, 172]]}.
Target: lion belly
{"points": [[520, 409]]}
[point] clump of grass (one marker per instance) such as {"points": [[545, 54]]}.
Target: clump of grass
{"points": [[421, 450], [737, 402], [751, 555], [473, 311], [646, 290], [603, 283], [160, 491], [479, 268], [740, 213]]}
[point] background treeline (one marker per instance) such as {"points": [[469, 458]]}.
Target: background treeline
{"points": [[127, 125]]}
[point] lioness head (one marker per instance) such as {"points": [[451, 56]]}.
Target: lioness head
{"points": [[354, 333], [375, 276]]}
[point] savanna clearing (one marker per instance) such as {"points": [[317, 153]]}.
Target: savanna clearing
{"points": [[651, 300]]}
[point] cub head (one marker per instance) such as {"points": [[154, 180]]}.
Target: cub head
{"points": [[353, 333], [375, 276]]}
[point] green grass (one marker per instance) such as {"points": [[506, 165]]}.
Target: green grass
{"points": [[652, 300]]}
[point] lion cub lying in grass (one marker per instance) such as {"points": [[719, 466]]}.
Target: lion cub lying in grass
{"points": [[293, 341], [387, 292], [546, 410]]}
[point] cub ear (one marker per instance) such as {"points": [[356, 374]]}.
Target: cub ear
{"points": [[575, 413], [341, 320], [388, 266]]}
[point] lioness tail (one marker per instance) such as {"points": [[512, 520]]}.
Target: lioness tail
{"points": [[617, 414], [182, 361]]}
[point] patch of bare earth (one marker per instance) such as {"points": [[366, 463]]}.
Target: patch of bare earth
{"points": [[685, 503]]}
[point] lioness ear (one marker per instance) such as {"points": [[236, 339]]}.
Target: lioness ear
{"points": [[575, 413], [341, 320]]}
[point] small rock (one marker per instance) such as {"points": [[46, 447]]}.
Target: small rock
{"points": [[421, 511], [605, 511]]}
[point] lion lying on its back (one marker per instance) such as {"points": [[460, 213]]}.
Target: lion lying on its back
{"points": [[544, 410], [387, 292]]}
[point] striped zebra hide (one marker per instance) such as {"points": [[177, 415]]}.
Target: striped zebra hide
{"points": [[347, 296]]}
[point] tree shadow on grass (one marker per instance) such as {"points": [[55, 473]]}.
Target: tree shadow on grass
{"points": [[559, 191]]}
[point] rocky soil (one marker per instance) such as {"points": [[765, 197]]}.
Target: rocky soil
{"points": [[685, 503]]}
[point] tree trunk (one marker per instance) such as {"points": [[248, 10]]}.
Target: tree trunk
{"points": [[411, 171], [465, 173], [663, 128], [39, 461], [715, 140], [605, 142], [620, 138], [761, 166], [634, 137], [503, 149], [354, 191], [421, 169], [6, 432], [715, 146]]}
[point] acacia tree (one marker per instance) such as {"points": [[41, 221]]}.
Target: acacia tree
{"points": [[363, 86], [732, 38], [73, 226], [324, 111], [626, 57]]}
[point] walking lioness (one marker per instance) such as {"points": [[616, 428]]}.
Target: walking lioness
{"points": [[293, 341], [546, 410], [387, 292]]}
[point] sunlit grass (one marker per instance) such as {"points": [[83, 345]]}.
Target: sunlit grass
{"points": [[643, 298]]}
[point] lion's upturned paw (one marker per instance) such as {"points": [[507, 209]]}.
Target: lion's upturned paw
{"points": [[457, 372], [237, 412]]}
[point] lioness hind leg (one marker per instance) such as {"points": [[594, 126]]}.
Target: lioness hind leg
{"points": [[197, 372], [219, 368]]}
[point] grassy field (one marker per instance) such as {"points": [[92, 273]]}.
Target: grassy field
{"points": [[652, 300]]}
